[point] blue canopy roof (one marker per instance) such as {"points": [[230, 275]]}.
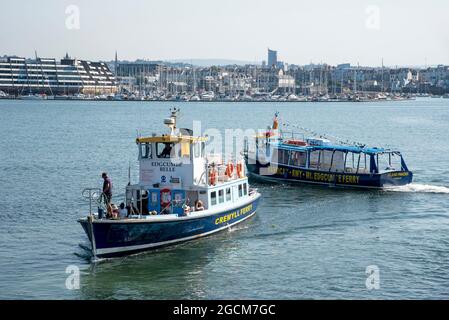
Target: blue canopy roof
{"points": [[354, 149]]}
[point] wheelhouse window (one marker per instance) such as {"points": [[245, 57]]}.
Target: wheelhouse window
{"points": [[184, 151], [197, 150], [164, 150], [240, 190], [213, 198], [145, 151], [245, 189]]}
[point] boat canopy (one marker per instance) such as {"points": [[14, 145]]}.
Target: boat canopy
{"points": [[354, 149]]}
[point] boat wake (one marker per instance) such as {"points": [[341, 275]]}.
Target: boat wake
{"points": [[237, 228], [420, 188]]}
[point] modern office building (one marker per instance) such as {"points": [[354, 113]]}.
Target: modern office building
{"points": [[272, 58], [21, 76]]}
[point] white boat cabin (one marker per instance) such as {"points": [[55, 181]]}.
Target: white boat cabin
{"points": [[177, 177]]}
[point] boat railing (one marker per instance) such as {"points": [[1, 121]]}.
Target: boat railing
{"points": [[94, 196], [292, 135], [218, 174]]}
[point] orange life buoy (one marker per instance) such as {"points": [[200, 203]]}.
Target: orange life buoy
{"points": [[212, 176], [165, 198], [240, 170], [229, 169], [275, 124]]}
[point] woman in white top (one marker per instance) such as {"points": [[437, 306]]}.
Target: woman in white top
{"points": [[123, 212]]}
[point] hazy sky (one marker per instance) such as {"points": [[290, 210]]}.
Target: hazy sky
{"points": [[357, 31]]}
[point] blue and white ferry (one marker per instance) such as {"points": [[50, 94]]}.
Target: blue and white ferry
{"points": [[182, 195], [279, 155]]}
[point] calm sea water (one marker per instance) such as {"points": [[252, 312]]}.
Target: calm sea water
{"points": [[304, 242]]}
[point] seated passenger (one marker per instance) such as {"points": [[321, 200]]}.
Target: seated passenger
{"points": [[132, 210], [113, 211], [123, 211], [186, 209], [199, 205]]}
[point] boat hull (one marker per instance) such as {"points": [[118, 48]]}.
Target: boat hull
{"points": [[117, 238], [327, 178]]}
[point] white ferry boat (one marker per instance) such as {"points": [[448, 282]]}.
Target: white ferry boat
{"points": [[182, 195]]}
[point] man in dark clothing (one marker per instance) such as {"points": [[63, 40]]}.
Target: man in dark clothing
{"points": [[107, 187]]}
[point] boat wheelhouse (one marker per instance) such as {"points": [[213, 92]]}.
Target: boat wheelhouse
{"points": [[287, 156], [182, 194]]}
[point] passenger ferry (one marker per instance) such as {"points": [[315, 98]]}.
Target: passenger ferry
{"points": [[182, 194], [288, 156]]}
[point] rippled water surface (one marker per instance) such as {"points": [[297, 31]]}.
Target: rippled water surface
{"points": [[304, 242]]}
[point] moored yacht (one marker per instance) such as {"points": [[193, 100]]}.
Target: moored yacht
{"points": [[182, 194]]}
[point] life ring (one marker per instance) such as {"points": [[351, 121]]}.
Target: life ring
{"points": [[240, 170], [229, 169], [212, 176], [165, 198], [199, 206]]}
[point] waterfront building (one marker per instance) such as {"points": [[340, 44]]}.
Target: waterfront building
{"points": [[137, 69], [158, 78], [286, 83], [21, 76]]}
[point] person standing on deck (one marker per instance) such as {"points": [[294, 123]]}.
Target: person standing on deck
{"points": [[107, 187]]}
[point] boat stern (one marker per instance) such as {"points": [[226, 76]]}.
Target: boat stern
{"points": [[396, 178]]}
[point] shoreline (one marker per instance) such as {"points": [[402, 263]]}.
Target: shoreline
{"points": [[219, 101]]}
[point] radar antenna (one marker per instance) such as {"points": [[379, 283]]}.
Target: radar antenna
{"points": [[171, 122]]}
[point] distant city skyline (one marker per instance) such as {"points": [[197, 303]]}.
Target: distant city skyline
{"points": [[402, 33]]}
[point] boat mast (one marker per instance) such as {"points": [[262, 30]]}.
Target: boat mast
{"points": [[382, 75]]}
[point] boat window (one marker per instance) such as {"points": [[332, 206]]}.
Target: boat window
{"points": [[245, 189], [228, 194], [351, 162], [389, 162], [213, 198], [283, 156], [203, 148], [362, 165], [240, 190], [338, 161], [164, 150], [326, 160], [221, 196], [185, 150], [274, 154], [298, 159], [145, 151], [315, 157], [197, 150]]}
